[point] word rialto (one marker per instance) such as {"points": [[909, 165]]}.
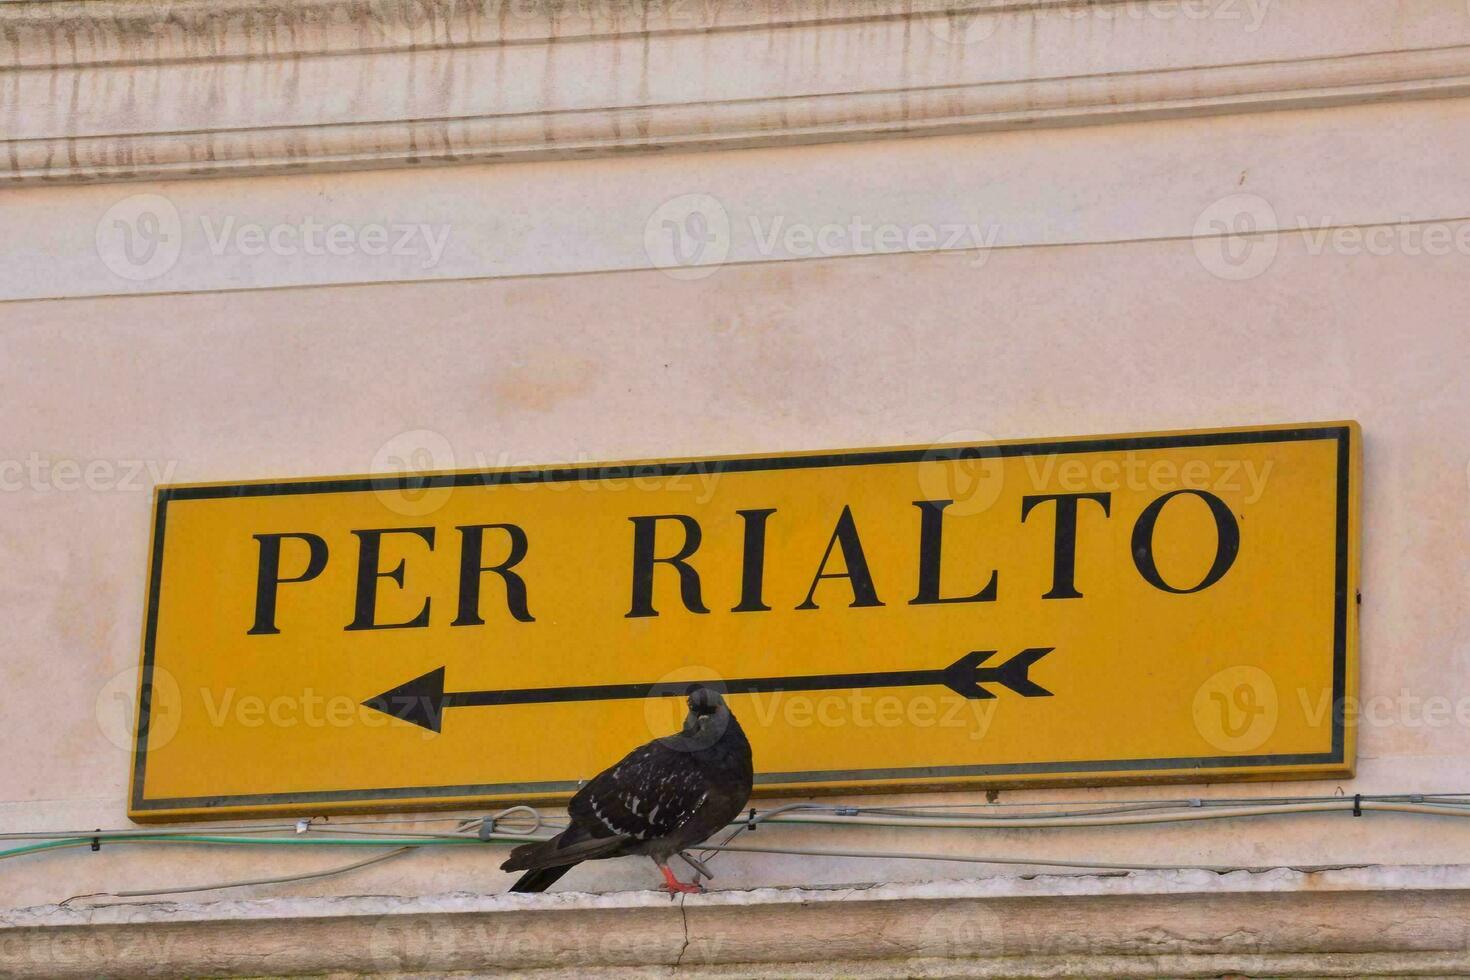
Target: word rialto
{"points": [[676, 550]]}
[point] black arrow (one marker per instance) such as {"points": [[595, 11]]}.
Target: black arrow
{"points": [[422, 700]]}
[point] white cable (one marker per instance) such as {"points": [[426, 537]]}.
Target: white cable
{"points": [[1029, 862], [1116, 820]]}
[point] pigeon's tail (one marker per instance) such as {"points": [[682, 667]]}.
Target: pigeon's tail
{"points": [[539, 879], [547, 860]]}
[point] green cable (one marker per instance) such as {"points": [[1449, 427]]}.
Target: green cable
{"points": [[207, 839]]}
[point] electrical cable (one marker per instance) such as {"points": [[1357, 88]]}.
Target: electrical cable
{"points": [[404, 846], [505, 827], [462, 825], [1030, 862], [1119, 820], [906, 815], [788, 814], [278, 880]]}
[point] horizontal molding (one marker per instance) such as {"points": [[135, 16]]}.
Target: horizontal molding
{"points": [[116, 91], [938, 110], [1381, 921], [96, 33]]}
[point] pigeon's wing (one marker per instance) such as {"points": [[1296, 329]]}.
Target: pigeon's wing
{"points": [[652, 792]]}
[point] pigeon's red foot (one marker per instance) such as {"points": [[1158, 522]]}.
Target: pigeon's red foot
{"points": [[675, 886]]}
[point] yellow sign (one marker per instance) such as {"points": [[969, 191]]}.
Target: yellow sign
{"points": [[1104, 609]]}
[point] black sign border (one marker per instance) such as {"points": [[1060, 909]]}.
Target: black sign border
{"points": [[467, 794]]}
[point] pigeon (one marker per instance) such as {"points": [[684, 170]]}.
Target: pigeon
{"points": [[671, 794]]}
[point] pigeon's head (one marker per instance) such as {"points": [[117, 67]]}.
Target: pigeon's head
{"points": [[705, 701], [708, 719]]}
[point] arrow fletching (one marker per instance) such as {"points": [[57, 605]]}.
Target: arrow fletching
{"points": [[965, 676]]}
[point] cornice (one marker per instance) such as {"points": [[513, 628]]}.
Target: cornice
{"points": [[110, 90]]}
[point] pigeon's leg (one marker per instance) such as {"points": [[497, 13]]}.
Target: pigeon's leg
{"points": [[674, 885], [697, 865]]}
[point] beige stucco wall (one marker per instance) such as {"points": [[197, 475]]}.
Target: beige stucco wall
{"points": [[1138, 333], [532, 323]]}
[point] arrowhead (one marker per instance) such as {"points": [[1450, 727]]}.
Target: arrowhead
{"points": [[419, 701]]}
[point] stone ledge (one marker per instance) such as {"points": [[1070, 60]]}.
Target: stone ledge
{"points": [[1349, 922]]}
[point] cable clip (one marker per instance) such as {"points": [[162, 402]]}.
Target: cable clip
{"points": [[487, 827], [1357, 804], [750, 823], [97, 841], [846, 811]]}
